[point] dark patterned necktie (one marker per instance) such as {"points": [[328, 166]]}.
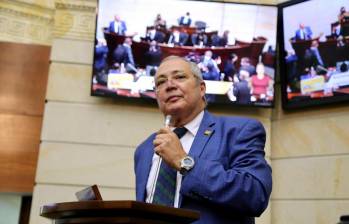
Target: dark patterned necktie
{"points": [[165, 188]]}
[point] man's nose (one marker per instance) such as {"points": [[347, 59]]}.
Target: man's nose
{"points": [[170, 83]]}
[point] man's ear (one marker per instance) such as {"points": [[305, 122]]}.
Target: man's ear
{"points": [[203, 88]]}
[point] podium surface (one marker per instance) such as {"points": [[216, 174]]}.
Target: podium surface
{"points": [[111, 212]]}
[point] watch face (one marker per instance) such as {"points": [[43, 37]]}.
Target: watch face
{"points": [[187, 161], [186, 164]]}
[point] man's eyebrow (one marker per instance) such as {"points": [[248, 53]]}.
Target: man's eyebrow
{"points": [[172, 73]]}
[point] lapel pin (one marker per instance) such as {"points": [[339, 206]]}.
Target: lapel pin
{"points": [[207, 132]]}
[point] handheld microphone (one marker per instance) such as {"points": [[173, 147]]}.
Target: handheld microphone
{"points": [[168, 120], [150, 198]]}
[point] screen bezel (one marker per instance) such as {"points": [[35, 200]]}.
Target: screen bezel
{"points": [[287, 104], [152, 101]]}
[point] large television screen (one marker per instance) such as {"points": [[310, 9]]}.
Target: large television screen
{"points": [[314, 43], [233, 44]]}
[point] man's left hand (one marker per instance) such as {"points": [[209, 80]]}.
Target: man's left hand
{"points": [[169, 148]]}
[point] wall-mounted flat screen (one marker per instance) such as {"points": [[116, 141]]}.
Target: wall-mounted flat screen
{"points": [[233, 44], [314, 43]]}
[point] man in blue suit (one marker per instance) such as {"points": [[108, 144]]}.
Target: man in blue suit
{"points": [[117, 26], [185, 20], [219, 162], [303, 33]]}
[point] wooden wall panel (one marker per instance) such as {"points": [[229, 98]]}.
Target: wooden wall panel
{"points": [[19, 145], [23, 78], [86, 165], [45, 194], [23, 75]]}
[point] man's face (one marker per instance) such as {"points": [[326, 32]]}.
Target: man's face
{"points": [[178, 91]]}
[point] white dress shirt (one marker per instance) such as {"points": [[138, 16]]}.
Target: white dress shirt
{"points": [[117, 27], [186, 141]]}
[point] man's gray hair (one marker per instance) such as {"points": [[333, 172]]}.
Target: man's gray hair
{"points": [[193, 66]]}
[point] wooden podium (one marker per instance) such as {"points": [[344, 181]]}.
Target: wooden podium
{"points": [[110, 212]]}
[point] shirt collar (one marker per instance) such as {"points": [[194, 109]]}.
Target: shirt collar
{"points": [[193, 125]]}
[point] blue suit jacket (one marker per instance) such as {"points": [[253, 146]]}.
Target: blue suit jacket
{"points": [[122, 26], [230, 182], [181, 23], [307, 34]]}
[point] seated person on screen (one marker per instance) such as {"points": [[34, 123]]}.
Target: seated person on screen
{"points": [[260, 83], [199, 39], [101, 51], [153, 34], [303, 33], [178, 38], [123, 56], [241, 89], [245, 64], [342, 14], [312, 56], [207, 59], [291, 65], [193, 57], [343, 67], [153, 57], [230, 68], [212, 164], [159, 22], [224, 40], [342, 50], [215, 40], [117, 26], [343, 19], [185, 20], [309, 73], [220, 41], [211, 73], [100, 63], [336, 30]]}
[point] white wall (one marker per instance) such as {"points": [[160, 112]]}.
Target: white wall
{"points": [[318, 14]]}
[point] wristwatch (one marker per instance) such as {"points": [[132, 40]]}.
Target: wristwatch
{"points": [[187, 163]]}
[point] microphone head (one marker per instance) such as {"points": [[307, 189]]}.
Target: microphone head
{"points": [[168, 120]]}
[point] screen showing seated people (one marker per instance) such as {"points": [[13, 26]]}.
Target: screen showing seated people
{"points": [[315, 52], [232, 44]]}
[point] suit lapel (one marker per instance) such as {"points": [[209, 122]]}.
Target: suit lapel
{"points": [[204, 133], [206, 130]]}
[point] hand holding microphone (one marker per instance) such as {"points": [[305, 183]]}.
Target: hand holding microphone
{"points": [[168, 146]]}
